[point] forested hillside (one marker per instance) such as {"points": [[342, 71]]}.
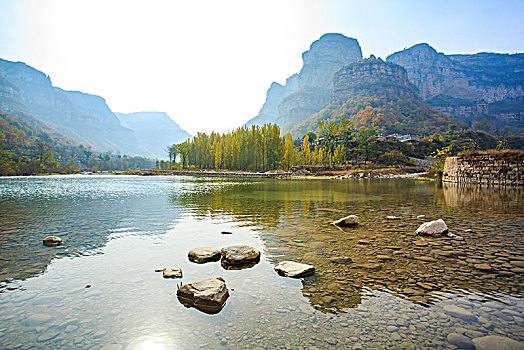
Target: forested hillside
{"points": [[27, 147]]}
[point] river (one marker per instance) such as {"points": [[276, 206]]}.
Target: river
{"points": [[398, 290]]}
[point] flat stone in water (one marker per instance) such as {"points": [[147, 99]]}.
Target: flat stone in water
{"points": [[208, 295], [341, 260], [37, 319], [384, 257], [173, 273], [495, 342], [351, 220], [48, 335], [459, 312], [437, 227], [294, 269], [204, 254], [52, 241], [425, 258], [460, 341], [240, 254], [483, 267], [364, 242]]}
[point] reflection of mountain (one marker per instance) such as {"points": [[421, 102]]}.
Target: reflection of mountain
{"points": [[293, 218], [84, 211]]}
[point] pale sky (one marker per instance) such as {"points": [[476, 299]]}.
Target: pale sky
{"points": [[209, 63]]}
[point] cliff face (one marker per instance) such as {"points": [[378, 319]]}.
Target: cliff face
{"points": [[463, 85], [375, 94], [308, 91], [326, 56], [83, 117], [107, 123], [297, 107], [372, 77], [10, 96], [154, 130]]}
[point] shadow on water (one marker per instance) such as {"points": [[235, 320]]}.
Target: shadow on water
{"points": [[85, 212], [294, 219]]}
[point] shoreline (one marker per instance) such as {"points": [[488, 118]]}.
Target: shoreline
{"points": [[348, 174]]}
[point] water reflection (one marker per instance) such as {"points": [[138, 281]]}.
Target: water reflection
{"points": [[86, 212], [294, 219]]}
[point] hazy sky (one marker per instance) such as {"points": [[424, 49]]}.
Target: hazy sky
{"points": [[209, 63]]}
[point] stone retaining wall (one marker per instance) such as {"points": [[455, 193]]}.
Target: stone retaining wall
{"points": [[495, 169]]}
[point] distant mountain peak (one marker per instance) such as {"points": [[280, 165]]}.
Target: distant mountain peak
{"points": [[154, 130]]}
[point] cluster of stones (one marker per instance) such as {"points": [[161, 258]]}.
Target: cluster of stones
{"points": [[485, 169], [210, 295]]}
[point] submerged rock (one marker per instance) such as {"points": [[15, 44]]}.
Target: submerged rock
{"points": [[437, 227], [294, 269], [495, 342], [173, 273], [240, 255], [459, 312], [208, 295], [203, 254], [52, 241], [460, 341], [341, 260], [350, 220]]}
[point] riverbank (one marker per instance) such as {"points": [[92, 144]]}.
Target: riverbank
{"points": [[405, 172]]}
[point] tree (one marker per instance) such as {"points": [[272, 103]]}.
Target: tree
{"points": [[366, 141], [306, 151]]}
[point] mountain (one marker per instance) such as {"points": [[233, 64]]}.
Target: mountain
{"points": [[154, 130], [308, 91], [372, 93], [482, 86], [79, 116]]}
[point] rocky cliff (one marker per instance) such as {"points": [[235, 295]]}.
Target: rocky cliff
{"points": [[465, 86], [375, 94], [82, 117], [308, 91], [10, 96], [372, 77], [154, 130]]}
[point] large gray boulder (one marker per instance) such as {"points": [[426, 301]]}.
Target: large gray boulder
{"points": [[52, 241], [203, 254], [351, 220], [496, 342], [294, 269], [240, 255], [437, 227], [208, 295]]}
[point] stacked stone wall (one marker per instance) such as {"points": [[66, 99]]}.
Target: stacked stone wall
{"points": [[494, 169]]}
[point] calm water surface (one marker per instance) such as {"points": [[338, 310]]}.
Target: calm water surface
{"points": [[399, 291]]}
